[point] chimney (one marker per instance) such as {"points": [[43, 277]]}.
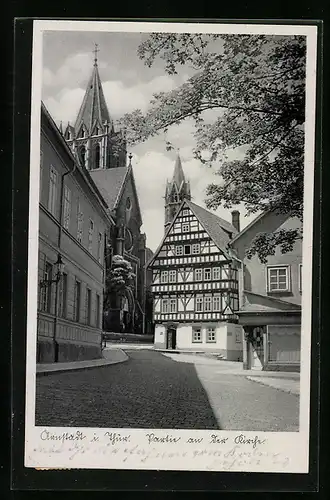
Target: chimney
{"points": [[235, 220]]}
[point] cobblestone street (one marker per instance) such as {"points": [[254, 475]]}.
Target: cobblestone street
{"points": [[151, 390], [147, 391]]}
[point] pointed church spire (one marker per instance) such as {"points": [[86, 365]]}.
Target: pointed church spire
{"points": [[178, 175], [93, 108], [177, 190], [95, 51]]}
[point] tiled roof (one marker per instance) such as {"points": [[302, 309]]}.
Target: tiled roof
{"points": [[109, 182], [216, 227]]}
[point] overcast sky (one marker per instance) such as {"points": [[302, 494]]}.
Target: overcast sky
{"points": [[128, 84]]}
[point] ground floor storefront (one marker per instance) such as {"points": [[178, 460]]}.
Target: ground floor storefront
{"points": [[223, 338], [271, 342]]}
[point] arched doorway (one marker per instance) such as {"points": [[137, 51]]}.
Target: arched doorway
{"points": [[171, 337]]}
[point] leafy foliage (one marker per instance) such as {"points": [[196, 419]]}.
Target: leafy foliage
{"points": [[265, 244], [119, 278], [246, 98]]}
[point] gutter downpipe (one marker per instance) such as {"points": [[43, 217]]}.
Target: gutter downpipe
{"points": [[59, 240]]}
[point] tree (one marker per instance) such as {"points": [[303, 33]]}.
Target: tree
{"points": [[247, 100], [119, 281]]}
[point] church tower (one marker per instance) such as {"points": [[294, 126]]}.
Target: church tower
{"points": [[93, 138], [177, 190]]}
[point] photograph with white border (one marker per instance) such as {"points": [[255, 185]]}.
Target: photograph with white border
{"points": [[170, 246]]}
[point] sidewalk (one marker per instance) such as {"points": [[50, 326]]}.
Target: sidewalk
{"points": [[284, 381], [283, 384], [110, 357]]}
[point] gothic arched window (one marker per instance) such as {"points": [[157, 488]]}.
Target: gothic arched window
{"points": [[82, 155], [97, 155]]}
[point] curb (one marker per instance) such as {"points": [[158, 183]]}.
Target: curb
{"points": [[283, 389], [80, 368]]}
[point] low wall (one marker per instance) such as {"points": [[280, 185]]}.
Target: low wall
{"points": [[128, 337]]}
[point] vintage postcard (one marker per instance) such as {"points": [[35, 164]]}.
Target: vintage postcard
{"points": [[170, 246]]}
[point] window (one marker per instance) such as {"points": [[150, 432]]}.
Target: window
{"points": [[185, 228], [208, 303], [216, 273], [172, 276], [99, 247], [196, 248], [207, 274], [165, 306], [97, 155], [82, 154], [76, 303], [41, 170], [173, 305], [63, 295], [216, 303], [185, 212], [80, 222], [46, 295], [52, 191], [197, 335], [187, 249], [179, 250], [90, 235], [97, 311], [67, 207], [164, 276], [300, 277], [238, 338], [199, 274], [210, 335], [88, 305], [199, 304], [278, 279]]}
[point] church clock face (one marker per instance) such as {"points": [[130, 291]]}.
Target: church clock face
{"points": [[128, 240]]}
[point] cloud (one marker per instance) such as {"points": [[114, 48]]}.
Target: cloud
{"points": [[65, 106], [71, 73]]}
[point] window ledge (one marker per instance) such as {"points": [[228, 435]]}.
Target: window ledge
{"points": [[284, 293]]}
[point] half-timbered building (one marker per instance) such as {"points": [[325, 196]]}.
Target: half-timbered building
{"points": [[195, 285]]}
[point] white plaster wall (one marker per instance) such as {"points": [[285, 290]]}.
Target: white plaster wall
{"points": [[184, 337], [233, 331], [221, 336], [160, 336]]}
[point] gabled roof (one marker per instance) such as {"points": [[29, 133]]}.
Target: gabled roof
{"points": [[93, 107], [110, 182], [214, 224], [216, 227], [238, 235]]}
